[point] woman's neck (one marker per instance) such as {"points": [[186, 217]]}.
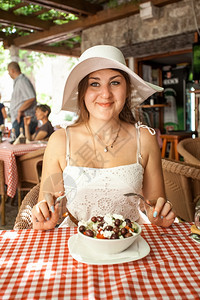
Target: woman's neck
{"points": [[44, 120], [98, 125], [105, 130]]}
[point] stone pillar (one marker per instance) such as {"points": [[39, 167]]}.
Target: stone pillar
{"points": [[14, 53]]}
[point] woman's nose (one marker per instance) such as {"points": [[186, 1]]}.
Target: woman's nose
{"points": [[105, 91]]}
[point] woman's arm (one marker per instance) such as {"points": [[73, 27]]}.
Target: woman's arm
{"points": [[45, 214], [40, 136], [153, 185], [27, 121]]}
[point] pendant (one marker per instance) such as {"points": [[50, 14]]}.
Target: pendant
{"points": [[105, 149]]}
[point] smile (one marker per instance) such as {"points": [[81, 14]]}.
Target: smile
{"points": [[105, 104]]}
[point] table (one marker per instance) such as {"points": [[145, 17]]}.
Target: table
{"points": [[37, 265], [8, 153]]}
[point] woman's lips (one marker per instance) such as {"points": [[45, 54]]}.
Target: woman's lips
{"points": [[105, 104]]}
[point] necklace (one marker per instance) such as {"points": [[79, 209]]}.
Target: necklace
{"points": [[105, 146]]}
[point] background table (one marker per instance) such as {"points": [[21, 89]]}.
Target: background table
{"points": [[7, 154], [37, 265]]}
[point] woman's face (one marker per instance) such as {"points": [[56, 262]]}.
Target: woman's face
{"points": [[40, 114], [106, 94]]}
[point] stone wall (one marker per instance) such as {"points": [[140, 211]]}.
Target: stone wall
{"points": [[172, 30]]}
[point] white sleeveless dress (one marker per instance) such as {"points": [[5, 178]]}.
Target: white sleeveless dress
{"points": [[98, 191]]}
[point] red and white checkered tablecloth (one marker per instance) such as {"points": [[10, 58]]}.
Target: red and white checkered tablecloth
{"points": [[37, 265], [8, 153]]}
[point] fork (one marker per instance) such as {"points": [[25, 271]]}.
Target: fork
{"points": [[140, 196], [60, 198]]}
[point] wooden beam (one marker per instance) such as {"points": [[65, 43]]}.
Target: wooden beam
{"points": [[74, 6], [28, 22], [19, 5], [101, 17], [65, 37], [55, 50], [77, 25], [161, 3]]}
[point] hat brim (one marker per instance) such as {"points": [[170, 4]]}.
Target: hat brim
{"points": [[142, 88]]}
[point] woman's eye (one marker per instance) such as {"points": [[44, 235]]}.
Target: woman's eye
{"points": [[94, 84], [115, 83]]}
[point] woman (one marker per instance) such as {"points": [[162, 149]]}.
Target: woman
{"points": [[42, 113], [105, 154]]}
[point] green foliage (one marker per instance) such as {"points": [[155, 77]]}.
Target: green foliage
{"points": [[29, 60], [68, 117], [4, 59], [13, 30], [44, 99], [58, 17], [7, 4], [27, 10], [68, 43]]}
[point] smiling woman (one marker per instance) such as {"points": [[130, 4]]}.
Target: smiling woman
{"points": [[106, 152]]}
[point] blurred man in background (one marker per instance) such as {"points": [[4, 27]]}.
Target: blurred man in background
{"points": [[23, 99]]}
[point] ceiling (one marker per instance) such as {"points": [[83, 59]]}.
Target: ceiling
{"points": [[55, 26]]}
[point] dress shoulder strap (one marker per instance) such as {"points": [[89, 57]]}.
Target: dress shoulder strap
{"points": [[67, 146], [139, 125]]}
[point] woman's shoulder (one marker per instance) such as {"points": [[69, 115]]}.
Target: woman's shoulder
{"points": [[58, 135], [57, 139], [56, 145]]}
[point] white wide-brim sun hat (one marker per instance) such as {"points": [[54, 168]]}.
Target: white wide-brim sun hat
{"points": [[98, 58]]}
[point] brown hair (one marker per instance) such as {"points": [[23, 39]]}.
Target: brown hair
{"points": [[126, 113], [44, 108]]}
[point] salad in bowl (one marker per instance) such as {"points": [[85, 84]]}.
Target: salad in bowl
{"points": [[108, 234]]}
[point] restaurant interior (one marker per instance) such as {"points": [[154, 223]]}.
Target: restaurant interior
{"points": [[160, 40]]}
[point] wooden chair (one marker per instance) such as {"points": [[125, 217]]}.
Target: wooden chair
{"points": [[2, 192], [190, 150], [29, 168], [182, 186], [24, 216]]}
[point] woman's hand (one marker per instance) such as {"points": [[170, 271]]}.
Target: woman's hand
{"points": [[45, 214], [161, 214]]}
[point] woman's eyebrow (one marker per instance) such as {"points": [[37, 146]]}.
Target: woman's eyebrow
{"points": [[111, 78]]}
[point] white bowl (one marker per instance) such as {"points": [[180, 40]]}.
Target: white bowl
{"points": [[108, 246]]}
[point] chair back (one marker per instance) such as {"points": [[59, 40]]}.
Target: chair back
{"points": [[24, 216], [190, 150], [182, 186], [30, 166]]}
